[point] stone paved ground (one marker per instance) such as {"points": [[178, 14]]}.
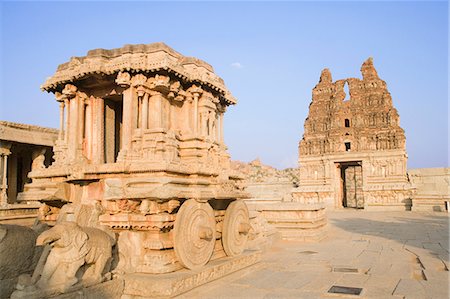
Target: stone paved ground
{"points": [[395, 254]]}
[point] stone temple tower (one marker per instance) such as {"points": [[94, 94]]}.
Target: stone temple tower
{"points": [[353, 152]]}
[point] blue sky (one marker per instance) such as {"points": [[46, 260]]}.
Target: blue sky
{"points": [[270, 55]]}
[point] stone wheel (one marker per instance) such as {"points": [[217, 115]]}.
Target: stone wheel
{"points": [[236, 226], [194, 234]]}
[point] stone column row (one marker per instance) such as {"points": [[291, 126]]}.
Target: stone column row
{"points": [[147, 106], [150, 111], [82, 125]]}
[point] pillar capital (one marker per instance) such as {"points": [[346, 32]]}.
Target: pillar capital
{"points": [[69, 91], [60, 97], [5, 148], [139, 80], [195, 90], [123, 79], [221, 108], [176, 92]]}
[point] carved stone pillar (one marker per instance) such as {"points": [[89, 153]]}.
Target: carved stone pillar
{"points": [[155, 110], [4, 153], [123, 80], [187, 125], [67, 123], [216, 128], [202, 123], [173, 112], [61, 119], [212, 125], [128, 118], [221, 127], [98, 131], [80, 124], [195, 91], [144, 117], [88, 132], [195, 113], [69, 92]]}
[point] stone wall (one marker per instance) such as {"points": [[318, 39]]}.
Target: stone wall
{"points": [[432, 188]]}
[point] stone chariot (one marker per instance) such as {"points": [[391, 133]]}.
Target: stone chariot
{"points": [[141, 151]]}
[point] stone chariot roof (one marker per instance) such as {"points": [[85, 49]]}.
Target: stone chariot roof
{"points": [[137, 58]]}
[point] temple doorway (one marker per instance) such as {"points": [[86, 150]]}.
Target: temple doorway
{"points": [[352, 184]]}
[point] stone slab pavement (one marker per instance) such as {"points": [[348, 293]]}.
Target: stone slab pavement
{"points": [[386, 254]]}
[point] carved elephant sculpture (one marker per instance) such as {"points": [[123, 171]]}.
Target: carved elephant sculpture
{"points": [[76, 253]]}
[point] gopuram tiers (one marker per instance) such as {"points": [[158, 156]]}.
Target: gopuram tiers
{"points": [[353, 152], [141, 151]]}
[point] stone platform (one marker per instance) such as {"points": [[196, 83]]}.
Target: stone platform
{"points": [[387, 254], [295, 220], [108, 290], [141, 285]]}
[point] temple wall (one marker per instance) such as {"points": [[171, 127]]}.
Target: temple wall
{"points": [[432, 188]]}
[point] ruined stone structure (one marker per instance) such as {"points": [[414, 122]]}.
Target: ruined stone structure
{"points": [[265, 183], [272, 207], [22, 148], [140, 150], [353, 149]]}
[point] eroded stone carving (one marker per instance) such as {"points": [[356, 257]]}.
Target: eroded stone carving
{"points": [[78, 254]]}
